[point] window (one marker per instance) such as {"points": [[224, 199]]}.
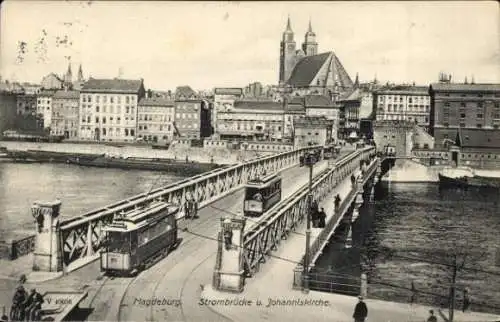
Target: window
{"points": [[479, 116], [462, 104], [132, 132], [126, 132], [97, 119], [462, 115], [119, 100], [104, 120], [462, 124], [97, 109], [479, 126], [447, 104], [111, 100], [127, 99]]}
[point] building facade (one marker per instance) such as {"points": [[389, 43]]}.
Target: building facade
{"points": [[397, 135], [224, 100], [254, 90], [65, 114], [403, 103], [155, 120], [44, 107], [189, 115], [463, 106], [108, 109], [52, 81], [26, 104], [294, 110], [8, 111], [312, 131], [255, 120]]}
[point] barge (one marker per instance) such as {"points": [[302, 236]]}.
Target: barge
{"points": [[463, 177]]}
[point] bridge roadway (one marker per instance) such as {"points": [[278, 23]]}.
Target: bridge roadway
{"points": [[120, 299]]}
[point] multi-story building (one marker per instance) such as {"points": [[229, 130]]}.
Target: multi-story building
{"points": [[312, 131], [394, 136], [26, 104], [254, 90], [8, 111], [108, 109], [52, 81], [403, 103], [252, 120], [294, 110], [223, 100], [155, 120], [44, 107], [463, 106], [65, 114], [188, 113]]}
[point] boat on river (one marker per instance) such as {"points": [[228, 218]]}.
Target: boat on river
{"points": [[136, 163], [463, 177]]}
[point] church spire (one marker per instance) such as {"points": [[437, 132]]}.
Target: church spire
{"points": [[310, 26], [288, 25], [356, 82], [80, 74], [69, 75]]}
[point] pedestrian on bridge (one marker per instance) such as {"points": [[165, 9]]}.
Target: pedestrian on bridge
{"points": [[322, 218], [353, 179], [195, 210], [360, 311], [337, 201]]}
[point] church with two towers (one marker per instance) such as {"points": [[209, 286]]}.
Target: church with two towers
{"points": [[303, 71]]}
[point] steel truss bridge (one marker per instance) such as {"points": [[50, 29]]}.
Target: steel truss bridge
{"points": [[277, 224], [81, 237]]}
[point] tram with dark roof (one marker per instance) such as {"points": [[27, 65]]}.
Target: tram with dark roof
{"points": [[261, 194], [139, 238]]}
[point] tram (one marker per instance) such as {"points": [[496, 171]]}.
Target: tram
{"points": [[138, 239], [330, 151], [317, 156], [261, 195]]}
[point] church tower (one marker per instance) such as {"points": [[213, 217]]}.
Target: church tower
{"points": [[310, 46], [287, 54], [69, 76], [80, 74]]}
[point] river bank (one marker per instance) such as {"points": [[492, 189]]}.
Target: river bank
{"points": [[202, 155]]}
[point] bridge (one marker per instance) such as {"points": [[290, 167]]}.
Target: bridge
{"points": [[65, 246]]}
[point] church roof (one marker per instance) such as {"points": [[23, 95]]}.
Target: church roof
{"points": [[478, 138], [112, 85], [307, 69]]}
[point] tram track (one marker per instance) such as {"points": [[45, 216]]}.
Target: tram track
{"points": [[123, 298]]}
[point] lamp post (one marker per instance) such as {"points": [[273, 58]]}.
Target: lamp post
{"points": [[309, 160]]}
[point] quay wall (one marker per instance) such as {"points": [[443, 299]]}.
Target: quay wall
{"points": [[203, 155]]}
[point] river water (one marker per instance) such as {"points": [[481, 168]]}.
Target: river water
{"points": [[80, 189], [410, 233]]}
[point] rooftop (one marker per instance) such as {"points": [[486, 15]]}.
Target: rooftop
{"points": [[403, 89], [310, 121], [115, 85], [156, 101], [185, 92], [317, 101], [478, 138], [306, 69], [465, 87], [269, 106], [66, 94], [228, 91]]}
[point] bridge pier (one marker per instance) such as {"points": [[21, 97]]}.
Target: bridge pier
{"points": [[48, 251]]}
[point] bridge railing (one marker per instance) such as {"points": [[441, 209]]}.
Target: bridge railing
{"points": [[81, 237], [277, 225], [324, 236]]}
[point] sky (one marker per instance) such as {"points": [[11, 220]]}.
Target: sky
{"points": [[215, 44]]}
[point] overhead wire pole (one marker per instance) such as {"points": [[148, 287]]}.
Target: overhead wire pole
{"points": [[309, 160]]}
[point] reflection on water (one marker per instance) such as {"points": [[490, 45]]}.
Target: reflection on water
{"points": [[411, 234], [79, 188]]}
